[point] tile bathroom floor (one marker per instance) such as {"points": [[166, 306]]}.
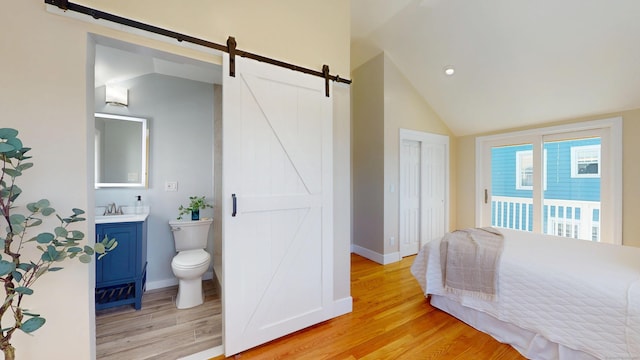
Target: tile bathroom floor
{"points": [[159, 330]]}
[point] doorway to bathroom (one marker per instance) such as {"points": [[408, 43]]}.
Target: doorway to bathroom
{"points": [[180, 98], [287, 118]]}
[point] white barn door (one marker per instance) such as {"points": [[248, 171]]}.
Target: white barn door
{"points": [[277, 237]]}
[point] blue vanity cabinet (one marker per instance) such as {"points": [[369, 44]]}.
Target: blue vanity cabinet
{"points": [[121, 274]]}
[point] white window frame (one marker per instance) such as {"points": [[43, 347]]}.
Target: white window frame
{"points": [[610, 168], [575, 151]]}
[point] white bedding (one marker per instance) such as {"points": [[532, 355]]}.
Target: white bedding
{"points": [[582, 295]]}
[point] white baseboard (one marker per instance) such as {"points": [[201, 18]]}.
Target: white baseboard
{"points": [[391, 258], [342, 306], [164, 283], [374, 256]]}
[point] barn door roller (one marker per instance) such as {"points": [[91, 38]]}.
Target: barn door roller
{"points": [[231, 48]]}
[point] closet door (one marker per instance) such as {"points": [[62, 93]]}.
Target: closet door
{"points": [[424, 189], [277, 206], [410, 196]]}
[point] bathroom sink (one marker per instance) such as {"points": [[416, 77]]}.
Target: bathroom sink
{"points": [[126, 217]]}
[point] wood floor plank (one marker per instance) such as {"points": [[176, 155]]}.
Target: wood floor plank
{"points": [[159, 330], [156, 346], [391, 319]]}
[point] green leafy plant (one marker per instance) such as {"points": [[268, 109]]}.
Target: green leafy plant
{"points": [[195, 204], [17, 275]]}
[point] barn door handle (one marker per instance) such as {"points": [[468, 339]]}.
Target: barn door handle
{"points": [[235, 204], [486, 196]]}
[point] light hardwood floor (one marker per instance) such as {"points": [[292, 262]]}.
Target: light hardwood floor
{"points": [[391, 319], [159, 330]]}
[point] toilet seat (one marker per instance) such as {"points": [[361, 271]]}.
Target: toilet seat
{"points": [[190, 259]]}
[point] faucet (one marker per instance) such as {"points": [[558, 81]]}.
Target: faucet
{"points": [[111, 209]]}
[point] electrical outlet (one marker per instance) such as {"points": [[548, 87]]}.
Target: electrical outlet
{"points": [[171, 186]]}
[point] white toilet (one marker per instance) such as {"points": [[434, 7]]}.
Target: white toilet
{"points": [[192, 260]]}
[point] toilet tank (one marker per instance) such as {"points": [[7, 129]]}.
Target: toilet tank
{"points": [[190, 235]]}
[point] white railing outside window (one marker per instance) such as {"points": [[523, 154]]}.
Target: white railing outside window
{"points": [[568, 218]]}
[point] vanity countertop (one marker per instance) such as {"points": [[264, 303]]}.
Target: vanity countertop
{"points": [[128, 215]]}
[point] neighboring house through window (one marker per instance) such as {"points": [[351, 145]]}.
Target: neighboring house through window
{"points": [[585, 161], [554, 180]]}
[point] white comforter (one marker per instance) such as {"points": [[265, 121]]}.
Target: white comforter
{"points": [[583, 295]]}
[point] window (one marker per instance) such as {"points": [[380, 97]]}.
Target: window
{"points": [[524, 168], [562, 180], [585, 161]]}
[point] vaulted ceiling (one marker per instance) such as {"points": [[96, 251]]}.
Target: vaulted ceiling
{"points": [[517, 62]]}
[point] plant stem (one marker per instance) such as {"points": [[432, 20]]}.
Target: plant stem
{"points": [[8, 350], [5, 341]]}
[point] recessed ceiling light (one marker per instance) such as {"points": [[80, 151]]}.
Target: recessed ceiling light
{"points": [[449, 70]]}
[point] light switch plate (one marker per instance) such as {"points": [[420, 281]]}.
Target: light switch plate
{"points": [[171, 186]]}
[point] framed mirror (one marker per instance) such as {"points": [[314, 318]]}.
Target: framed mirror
{"points": [[121, 144]]}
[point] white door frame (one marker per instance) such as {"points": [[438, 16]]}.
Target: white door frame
{"points": [[425, 138]]}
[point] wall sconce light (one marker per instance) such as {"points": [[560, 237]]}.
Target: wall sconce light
{"points": [[116, 95]]}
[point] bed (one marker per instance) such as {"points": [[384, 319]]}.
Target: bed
{"points": [[555, 298]]}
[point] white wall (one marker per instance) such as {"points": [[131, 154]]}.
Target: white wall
{"points": [[367, 134], [180, 121]]}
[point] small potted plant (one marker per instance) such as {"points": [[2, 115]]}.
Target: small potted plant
{"points": [[195, 204]]}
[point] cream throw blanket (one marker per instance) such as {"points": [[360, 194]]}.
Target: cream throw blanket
{"points": [[469, 260]]}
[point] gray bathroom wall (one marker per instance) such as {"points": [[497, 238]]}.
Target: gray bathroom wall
{"points": [[180, 115]]}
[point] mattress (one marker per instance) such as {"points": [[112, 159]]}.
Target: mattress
{"points": [[582, 295]]}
